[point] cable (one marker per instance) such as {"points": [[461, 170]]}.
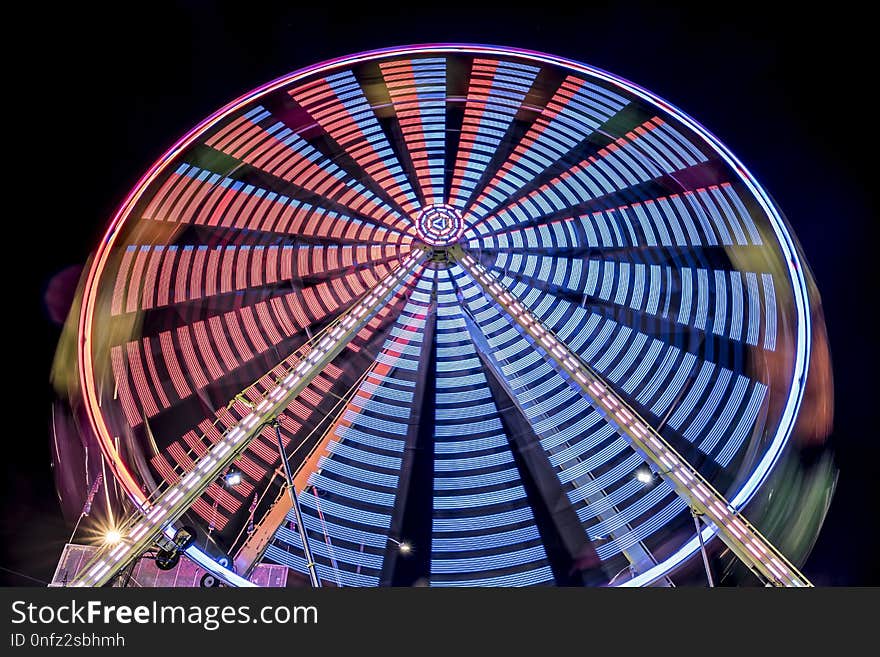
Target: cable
{"points": [[33, 579], [332, 413]]}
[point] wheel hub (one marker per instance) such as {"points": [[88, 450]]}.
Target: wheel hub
{"points": [[439, 225]]}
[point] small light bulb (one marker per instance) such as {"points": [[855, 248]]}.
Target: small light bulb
{"points": [[644, 476]]}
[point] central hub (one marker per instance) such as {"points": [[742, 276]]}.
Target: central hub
{"points": [[439, 225]]}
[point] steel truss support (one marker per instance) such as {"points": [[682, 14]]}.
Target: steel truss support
{"points": [[152, 523], [639, 556], [744, 540], [251, 551]]}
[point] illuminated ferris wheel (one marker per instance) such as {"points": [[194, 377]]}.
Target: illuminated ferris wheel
{"points": [[510, 319]]}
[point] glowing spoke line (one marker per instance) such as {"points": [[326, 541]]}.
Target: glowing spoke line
{"points": [[146, 527], [738, 534]]}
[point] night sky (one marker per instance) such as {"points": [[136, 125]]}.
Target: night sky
{"points": [[94, 98]]}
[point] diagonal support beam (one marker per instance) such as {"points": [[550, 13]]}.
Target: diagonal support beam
{"points": [[153, 522], [743, 539], [639, 556], [251, 551]]}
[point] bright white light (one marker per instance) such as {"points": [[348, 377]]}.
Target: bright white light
{"points": [[112, 537], [405, 548], [644, 476], [233, 478]]}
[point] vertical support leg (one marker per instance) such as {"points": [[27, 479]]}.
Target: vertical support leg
{"points": [[696, 516], [310, 562]]}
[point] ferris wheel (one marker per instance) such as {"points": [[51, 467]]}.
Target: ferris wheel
{"points": [[449, 315]]}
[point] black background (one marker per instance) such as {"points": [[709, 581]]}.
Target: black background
{"points": [[93, 97]]}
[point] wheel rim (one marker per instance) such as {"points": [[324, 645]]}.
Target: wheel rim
{"points": [[390, 205]]}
